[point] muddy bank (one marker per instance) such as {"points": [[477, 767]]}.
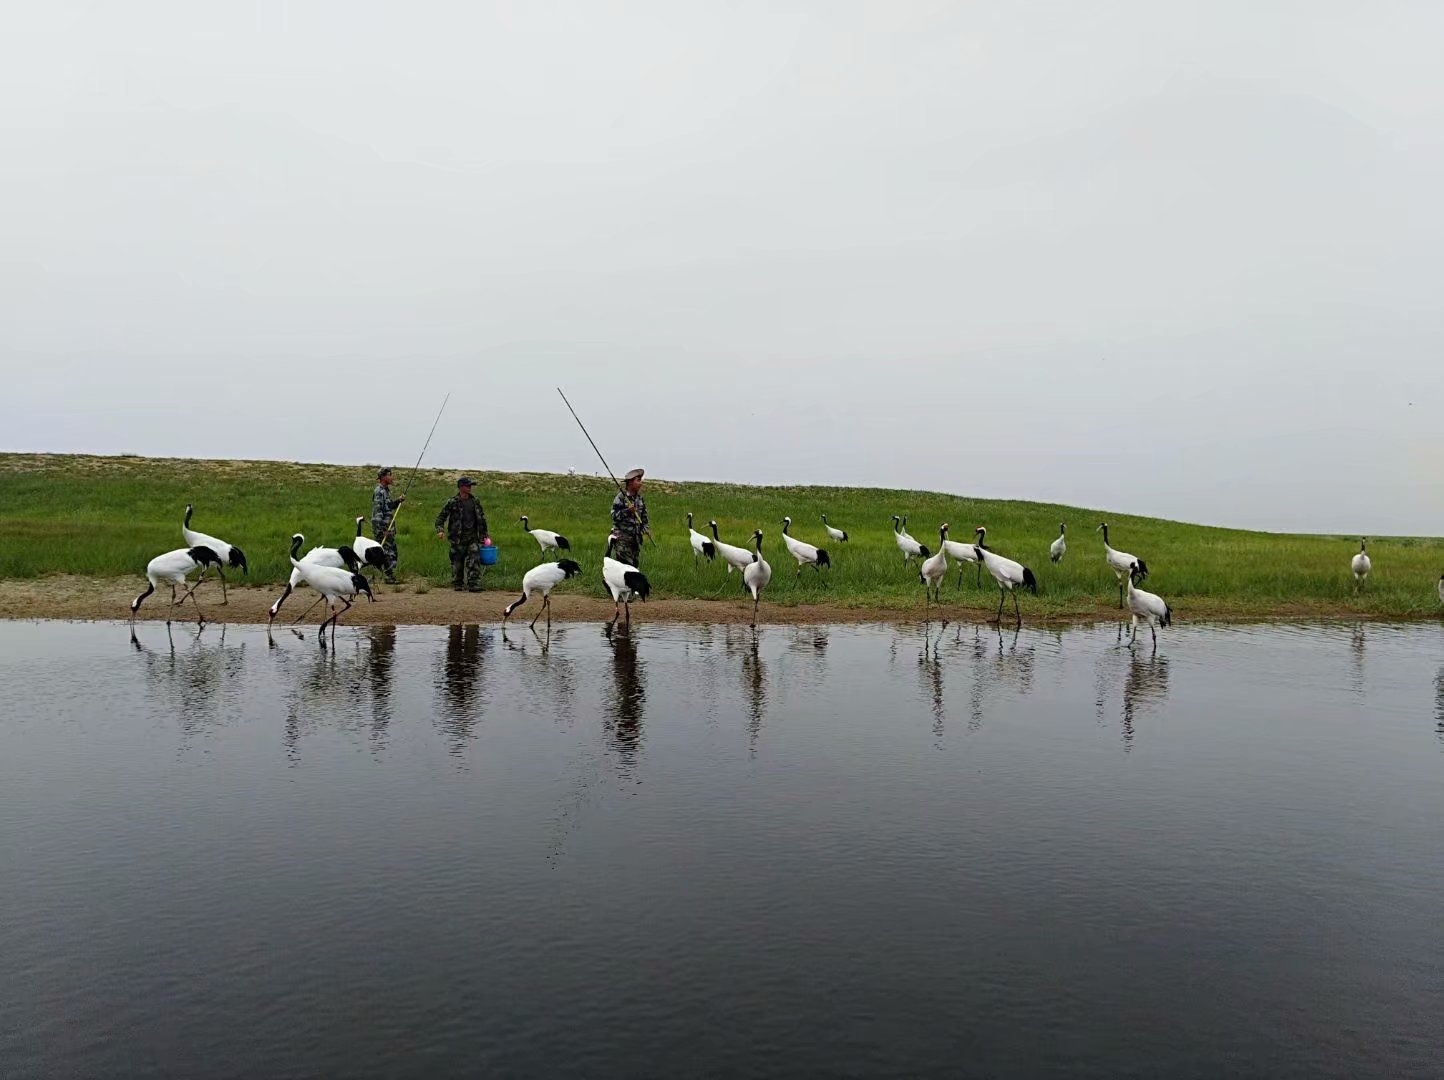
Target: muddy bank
{"points": [[109, 598]]}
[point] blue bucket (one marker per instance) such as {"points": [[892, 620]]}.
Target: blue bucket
{"points": [[488, 554]]}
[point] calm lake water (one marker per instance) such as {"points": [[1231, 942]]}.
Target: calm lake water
{"points": [[696, 850]]}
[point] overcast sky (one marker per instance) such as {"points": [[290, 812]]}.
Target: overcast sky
{"points": [[1169, 258]]}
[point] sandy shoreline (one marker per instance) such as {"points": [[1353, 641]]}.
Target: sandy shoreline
{"points": [[109, 598]]}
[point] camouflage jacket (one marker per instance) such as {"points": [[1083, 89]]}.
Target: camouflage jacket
{"points": [[452, 519], [624, 522], [383, 506]]}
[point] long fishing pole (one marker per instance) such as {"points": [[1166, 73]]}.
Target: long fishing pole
{"points": [[391, 525], [613, 475]]}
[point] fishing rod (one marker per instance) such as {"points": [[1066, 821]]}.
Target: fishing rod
{"points": [[603, 460], [391, 525]]}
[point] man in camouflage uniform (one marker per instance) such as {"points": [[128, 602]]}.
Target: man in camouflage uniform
{"points": [[629, 520], [463, 522], [383, 511]]}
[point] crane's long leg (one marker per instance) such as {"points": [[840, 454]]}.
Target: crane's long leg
{"points": [[547, 607], [195, 586], [222, 575], [755, 600], [201, 619], [979, 583], [308, 611], [1016, 610], [1133, 636], [1002, 598]]}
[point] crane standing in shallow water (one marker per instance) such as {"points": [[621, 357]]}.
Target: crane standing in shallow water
{"points": [[1149, 607], [542, 579], [171, 569]]}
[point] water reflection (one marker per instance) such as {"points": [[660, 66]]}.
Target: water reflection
{"points": [[381, 656], [1146, 685], [1439, 704], [1001, 667], [627, 700], [1356, 657], [191, 675], [549, 673], [460, 685], [754, 683], [930, 669]]}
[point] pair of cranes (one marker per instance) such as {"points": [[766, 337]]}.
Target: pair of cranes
{"points": [[174, 567], [739, 558]]}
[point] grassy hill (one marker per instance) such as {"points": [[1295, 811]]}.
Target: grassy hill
{"points": [[106, 516]]}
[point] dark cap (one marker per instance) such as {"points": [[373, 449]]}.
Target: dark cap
{"points": [[382, 472], [635, 474], [464, 481]]}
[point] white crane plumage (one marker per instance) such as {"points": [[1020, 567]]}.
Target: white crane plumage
{"points": [[335, 585], [934, 569], [964, 553], [342, 558], [545, 538], [755, 575], [1441, 588], [542, 579], [1059, 547], [905, 543], [1007, 573], [1361, 564], [806, 554], [623, 581], [700, 544], [369, 551], [732, 555], [837, 536], [171, 569], [1149, 607], [228, 554], [1121, 563]]}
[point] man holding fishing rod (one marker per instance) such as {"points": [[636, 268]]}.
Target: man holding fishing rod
{"points": [[383, 513], [629, 519], [629, 512]]}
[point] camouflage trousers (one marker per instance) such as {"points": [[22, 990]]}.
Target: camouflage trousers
{"points": [[466, 564], [388, 546], [628, 551]]}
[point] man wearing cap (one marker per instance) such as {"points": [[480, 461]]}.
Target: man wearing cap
{"points": [[629, 519], [383, 512], [463, 522]]}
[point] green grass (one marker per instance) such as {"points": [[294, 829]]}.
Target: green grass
{"points": [[108, 516]]}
